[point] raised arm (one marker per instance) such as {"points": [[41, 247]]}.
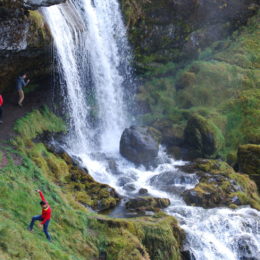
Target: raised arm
{"points": [[41, 195], [27, 82]]}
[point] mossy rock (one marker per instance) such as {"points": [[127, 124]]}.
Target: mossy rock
{"points": [[161, 235], [219, 185], [147, 204], [203, 136], [248, 156]]}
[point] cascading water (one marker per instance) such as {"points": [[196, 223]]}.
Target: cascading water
{"points": [[90, 36], [92, 52]]}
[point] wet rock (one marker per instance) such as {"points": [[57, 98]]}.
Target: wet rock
{"points": [[138, 146], [112, 165], [176, 181], [143, 191], [203, 136], [219, 185], [34, 4], [124, 180], [235, 200], [147, 204], [129, 187], [187, 255], [247, 247]]}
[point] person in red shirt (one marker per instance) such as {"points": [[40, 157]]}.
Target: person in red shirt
{"points": [[1, 109], [45, 217]]}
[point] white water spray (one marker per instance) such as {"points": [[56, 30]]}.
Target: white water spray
{"points": [[90, 38]]}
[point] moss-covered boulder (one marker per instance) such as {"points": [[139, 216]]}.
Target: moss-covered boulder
{"points": [[248, 156], [219, 185], [160, 235], [142, 204], [203, 136]]}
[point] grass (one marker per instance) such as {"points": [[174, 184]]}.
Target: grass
{"points": [[77, 232]]}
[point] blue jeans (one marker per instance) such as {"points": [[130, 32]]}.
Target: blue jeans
{"points": [[45, 225]]}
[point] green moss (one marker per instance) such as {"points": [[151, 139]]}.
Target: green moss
{"points": [[77, 233], [220, 184], [222, 85], [40, 34], [37, 122], [249, 158]]}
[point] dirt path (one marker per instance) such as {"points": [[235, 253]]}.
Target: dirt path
{"points": [[12, 112]]}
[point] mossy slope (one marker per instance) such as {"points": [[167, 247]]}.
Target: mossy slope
{"points": [[77, 232]]}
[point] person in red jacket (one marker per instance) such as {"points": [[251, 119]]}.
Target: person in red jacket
{"points": [[1, 109], [45, 217]]}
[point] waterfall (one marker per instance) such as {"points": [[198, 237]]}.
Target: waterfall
{"points": [[93, 62], [93, 54]]}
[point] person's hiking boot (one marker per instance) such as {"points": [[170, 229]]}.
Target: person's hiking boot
{"points": [[29, 229], [20, 105]]}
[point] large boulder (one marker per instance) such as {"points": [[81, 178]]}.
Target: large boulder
{"points": [[219, 185], [138, 146], [203, 136]]}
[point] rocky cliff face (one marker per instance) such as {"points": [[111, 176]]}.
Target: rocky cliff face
{"points": [[163, 30], [25, 41]]}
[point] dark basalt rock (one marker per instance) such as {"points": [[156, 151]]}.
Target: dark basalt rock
{"points": [[138, 146], [34, 4], [129, 187], [24, 46], [143, 191], [175, 29], [147, 204]]}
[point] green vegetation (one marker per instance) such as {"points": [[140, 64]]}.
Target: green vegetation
{"points": [[220, 185], [77, 232], [37, 25], [222, 85]]}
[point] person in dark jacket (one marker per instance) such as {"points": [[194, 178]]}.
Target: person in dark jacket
{"points": [[21, 82], [45, 217], [1, 109]]}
